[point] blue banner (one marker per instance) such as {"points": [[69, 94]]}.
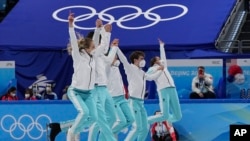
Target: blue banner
{"points": [[42, 24], [26, 121]]}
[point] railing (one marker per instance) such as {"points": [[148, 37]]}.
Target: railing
{"points": [[232, 27], [235, 44]]}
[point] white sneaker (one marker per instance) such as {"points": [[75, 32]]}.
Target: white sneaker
{"points": [[77, 137], [70, 135]]}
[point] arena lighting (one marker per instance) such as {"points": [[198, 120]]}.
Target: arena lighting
{"points": [[5, 7]]}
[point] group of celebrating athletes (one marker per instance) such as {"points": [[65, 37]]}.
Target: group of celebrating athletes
{"points": [[97, 90]]}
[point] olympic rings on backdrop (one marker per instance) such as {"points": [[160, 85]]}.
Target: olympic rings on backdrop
{"points": [[104, 16]]}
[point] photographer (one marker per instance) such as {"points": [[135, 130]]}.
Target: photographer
{"points": [[202, 85], [163, 131]]}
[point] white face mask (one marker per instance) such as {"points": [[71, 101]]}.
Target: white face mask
{"points": [[142, 63], [117, 63], [93, 52], [27, 95], [13, 94]]}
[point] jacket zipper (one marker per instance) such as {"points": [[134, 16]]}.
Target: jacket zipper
{"points": [[167, 78], [143, 86], [90, 71]]}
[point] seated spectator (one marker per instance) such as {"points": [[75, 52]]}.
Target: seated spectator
{"points": [[49, 94], [35, 92], [65, 96], [202, 85], [11, 95], [29, 95], [163, 131]]}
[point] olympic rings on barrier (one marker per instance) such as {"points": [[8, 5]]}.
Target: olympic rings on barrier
{"points": [[18, 124]]}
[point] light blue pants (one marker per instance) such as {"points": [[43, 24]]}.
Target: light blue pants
{"points": [[140, 127], [168, 100], [106, 116], [84, 103], [123, 114]]}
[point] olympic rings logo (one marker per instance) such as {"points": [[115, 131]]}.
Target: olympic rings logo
{"points": [[104, 16], [18, 124]]}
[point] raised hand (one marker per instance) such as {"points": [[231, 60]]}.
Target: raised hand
{"points": [[98, 23], [71, 18], [108, 27], [115, 42], [160, 41]]}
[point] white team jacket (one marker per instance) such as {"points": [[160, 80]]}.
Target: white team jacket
{"points": [[101, 60], [164, 79], [115, 83], [208, 83], [84, 65], [136, 77]]}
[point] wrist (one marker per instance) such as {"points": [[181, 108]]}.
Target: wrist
{"points": [[71, 25]]}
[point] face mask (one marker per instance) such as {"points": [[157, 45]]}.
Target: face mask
{"points": [[13, 94], [116, 63], [27, 95], [93, 52], [142, 63]]}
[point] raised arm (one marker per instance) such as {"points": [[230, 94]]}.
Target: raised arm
{"points": [[162, 53], [113, 50], [105, 33], [123, 59], [72, 34], [153, 73], [208, 79], [97, 32]]}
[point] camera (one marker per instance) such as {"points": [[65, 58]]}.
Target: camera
{"points": [[200, 72]]}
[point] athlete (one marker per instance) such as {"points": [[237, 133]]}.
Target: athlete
{"points": [[136, 86], [105, 104], [168, 97], [115, 85]]}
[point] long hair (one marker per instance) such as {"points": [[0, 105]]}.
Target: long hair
{"points": [[152, 61], [84, 44]]}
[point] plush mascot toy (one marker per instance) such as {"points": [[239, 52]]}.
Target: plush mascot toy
{"points": [[237, 87], [235, 75]]}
